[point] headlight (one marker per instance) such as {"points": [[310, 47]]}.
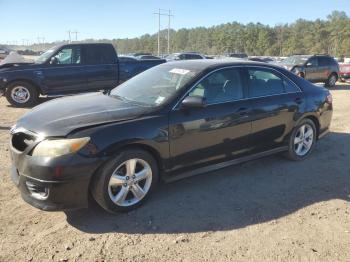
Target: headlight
{"points": [[59, 147]]}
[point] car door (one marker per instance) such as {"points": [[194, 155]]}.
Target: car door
{"points": [[65, 73], [311, 69], [101, 66], [324, 65], [218, 131], [276, 101]]}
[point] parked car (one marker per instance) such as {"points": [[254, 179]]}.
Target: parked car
{"points": [[237, 55], [171, 121], [140, 53], [315, 68], [68, 69], [344, 72], [261, 59], [3, 53], [185, 56], [147, 57]]}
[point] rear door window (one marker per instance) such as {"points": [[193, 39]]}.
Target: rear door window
{"points": [[99, 54], [264, 82], [324, 61]]}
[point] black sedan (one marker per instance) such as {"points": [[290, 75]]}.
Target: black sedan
{"points": [[175, 120]]}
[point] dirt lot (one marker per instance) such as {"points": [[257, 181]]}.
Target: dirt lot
{"points": [[266, 210]]}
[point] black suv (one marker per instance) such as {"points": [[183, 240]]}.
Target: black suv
{"points": [[315, 68]]}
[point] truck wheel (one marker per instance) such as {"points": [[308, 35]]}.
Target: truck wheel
{"points": [[332, 79], [22, 94], [125, 181]]}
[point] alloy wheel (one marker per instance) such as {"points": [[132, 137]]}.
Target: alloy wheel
{"points": [[130, 182], [303, 140], [332, 80], [20, 94]]}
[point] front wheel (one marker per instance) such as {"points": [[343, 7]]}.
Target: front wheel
{"points": [[125, 181], [21, 94], [302, 140]]}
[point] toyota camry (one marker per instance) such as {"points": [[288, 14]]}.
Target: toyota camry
{"points": [[175, 120]]}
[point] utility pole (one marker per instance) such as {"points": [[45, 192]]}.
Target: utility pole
{"points": [[168, 15], [76, 34], [70, 39], [169, 31]]}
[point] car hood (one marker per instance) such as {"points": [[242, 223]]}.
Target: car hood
{"points": [[9, 67], [61, 116]]}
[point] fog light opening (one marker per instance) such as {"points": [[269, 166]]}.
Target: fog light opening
{"points": [[36, 191]]}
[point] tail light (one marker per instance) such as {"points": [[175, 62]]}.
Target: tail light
{"points": [[329, 99]]}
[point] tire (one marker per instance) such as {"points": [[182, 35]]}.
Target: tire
{"points": [[22, 94], [332, 79], [294, 151], [119, 194], [298, 72]]}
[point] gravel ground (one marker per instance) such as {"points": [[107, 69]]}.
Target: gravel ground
{"points": [[265, 210]]}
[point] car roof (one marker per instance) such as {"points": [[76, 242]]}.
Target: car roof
{"points": [[204, 64], [85, 43]]}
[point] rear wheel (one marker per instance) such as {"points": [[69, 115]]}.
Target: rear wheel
{"points": [[302, 140], [126, 181], [332, 79], [301, 74], [21, 94]]}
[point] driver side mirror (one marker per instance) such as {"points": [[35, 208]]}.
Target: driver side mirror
{"points": [[53, 61], [193, 102]]}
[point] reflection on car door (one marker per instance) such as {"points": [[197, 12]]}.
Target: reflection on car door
{"points": [[311, 69], [217, 132], [276, 101], [68, 75], [324, 67]]}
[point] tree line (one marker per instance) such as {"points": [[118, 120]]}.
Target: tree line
{"points": [[329, 36]]}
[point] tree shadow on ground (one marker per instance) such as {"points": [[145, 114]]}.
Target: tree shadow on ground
{"points": [[234, 197]]}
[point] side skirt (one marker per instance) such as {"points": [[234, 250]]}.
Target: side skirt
{"points": [[214, 167]]}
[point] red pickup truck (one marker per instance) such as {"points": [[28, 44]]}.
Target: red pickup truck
{"points": [[344, 72]]}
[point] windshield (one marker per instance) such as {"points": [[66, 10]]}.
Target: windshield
{"points": [[43, 57], [296, 60], [154, 86]]}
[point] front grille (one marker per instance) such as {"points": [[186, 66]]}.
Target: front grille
{"points": [[21, 141]]}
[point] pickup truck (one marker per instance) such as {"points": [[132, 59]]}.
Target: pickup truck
{"points": [[68, 69]]}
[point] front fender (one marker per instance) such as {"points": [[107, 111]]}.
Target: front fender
{"points": [[29, 76], [149, 132]]}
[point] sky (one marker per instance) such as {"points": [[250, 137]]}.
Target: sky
{"points": [[109, 19]]}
